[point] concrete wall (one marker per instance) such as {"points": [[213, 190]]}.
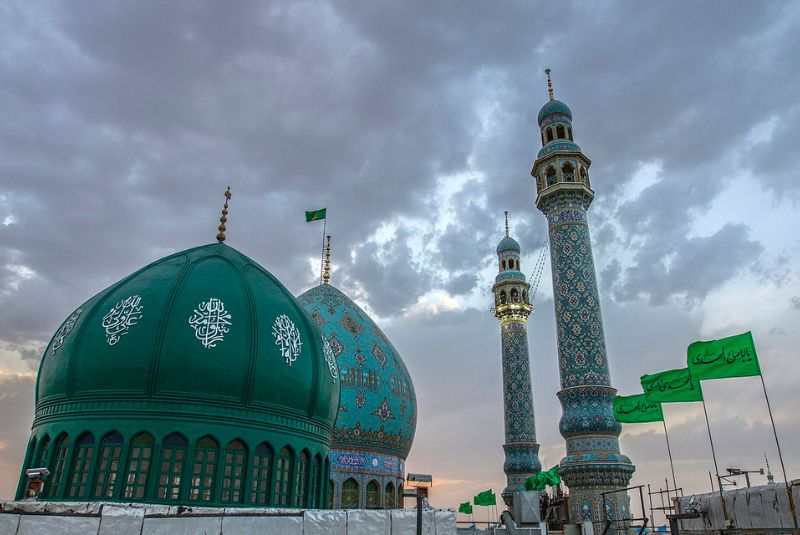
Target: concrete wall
{"points": [[29, 518], [764, 507]]}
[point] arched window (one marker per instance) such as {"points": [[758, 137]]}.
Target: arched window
{"points": [[170, 471], [514, 295], [389, 499], [373, 495], [313, 483], [517, 263], [568, 172], [58, 467], [140, 457], [350, 494], [542, 138], [502, 297], [105, 479], [502, 265], [41, 458], [283, 476], [233, 472], [261, 474], [569, 133], [300, 480], [81, 465], [331, 491], [583, 176], [206, 452], [551, 176], [560, 132], [400, 496], [549, 134], [524, 296]]}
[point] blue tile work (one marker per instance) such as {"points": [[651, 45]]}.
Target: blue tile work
{"points": [[593, 463], [520, 448], [377, 416]]}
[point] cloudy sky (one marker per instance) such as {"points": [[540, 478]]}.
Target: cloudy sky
{"points": [[121, 123]]}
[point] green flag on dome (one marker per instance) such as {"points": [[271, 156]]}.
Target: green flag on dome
{"points": [[465, 508], [637, 410], [316, 215], [734, 356], [671, 386], [487, 497]]}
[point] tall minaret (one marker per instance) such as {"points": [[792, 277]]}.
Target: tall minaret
{"points": [[512, 307], [593, 463]]}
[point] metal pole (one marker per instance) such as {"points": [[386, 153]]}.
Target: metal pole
{"points": [[669, 452], [322, 256], [714, 456], [780, 455], [419, 514]]}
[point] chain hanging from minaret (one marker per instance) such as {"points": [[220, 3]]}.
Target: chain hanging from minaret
{"points": [[593, 464], [512, 307]]}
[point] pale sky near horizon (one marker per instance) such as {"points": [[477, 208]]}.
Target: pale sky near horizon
{"points": [[414, 123]]}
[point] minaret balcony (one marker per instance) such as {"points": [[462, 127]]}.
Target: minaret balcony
{"points": [[508, 312], [564, 187]]}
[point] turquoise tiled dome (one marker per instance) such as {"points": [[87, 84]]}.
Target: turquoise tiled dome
{"points": [[378, 406], [507, 244], [554, 106]]}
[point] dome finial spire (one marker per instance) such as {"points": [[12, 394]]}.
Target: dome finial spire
{"points": [[549, 84], [506, 212], [326, 272], [224, 217]]}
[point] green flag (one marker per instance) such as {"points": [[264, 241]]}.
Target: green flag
{"points": [[465, 508], [637, 410], [487, 497], [316, 215], [671, 386], [734, 356], [544, 479]]}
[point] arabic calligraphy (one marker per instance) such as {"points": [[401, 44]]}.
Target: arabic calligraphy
{"points": [[638, 406], [724, 356], [330, 359], [210, 322], [121, 317], [64, 330], [287, 337]]}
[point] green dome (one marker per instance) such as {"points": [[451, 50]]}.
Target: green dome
{"points": [[553, 107], [203, 343], [507, 244]]}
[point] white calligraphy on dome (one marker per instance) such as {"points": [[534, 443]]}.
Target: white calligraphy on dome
{"points": [[122, 316], [210, 322], [64, 330], [287, 337], [330, 359]]}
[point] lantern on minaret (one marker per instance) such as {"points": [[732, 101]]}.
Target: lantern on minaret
{"points": [[593, 464], [512, 307]]}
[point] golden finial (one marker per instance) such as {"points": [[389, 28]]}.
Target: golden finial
{"points": [[506, 212], [224, 218], [326, 272], [549, 84]]}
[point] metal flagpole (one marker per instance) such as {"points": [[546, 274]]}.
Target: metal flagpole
{"points": [[780, 455], [322, 256], [716, 468], [669, 451]]}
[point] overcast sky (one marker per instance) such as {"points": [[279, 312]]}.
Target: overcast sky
{"points": [[121, 124]]}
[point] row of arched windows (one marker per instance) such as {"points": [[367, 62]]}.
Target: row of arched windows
{"points": [[512, 296], [177, 471], [548, 134], [513, 263], [567, 175], [392, 496]]}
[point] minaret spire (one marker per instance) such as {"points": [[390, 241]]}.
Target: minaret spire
{"points": [[224, 217], [326, 272], [549, 84], [506, 222]]}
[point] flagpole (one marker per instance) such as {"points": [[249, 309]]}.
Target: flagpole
{"points": [[322, 256], [780, 455], [669, 452], [716, 468]]}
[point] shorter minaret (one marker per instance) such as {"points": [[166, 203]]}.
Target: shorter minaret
{"points": [[512, 307]]}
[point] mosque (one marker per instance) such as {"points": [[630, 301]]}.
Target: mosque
{"points": [[201, 381]]}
